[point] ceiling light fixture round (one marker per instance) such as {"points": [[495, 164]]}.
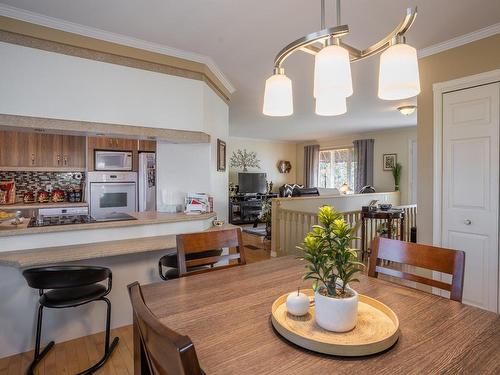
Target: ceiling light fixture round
{"points": [[332, 71], [407, 109]]}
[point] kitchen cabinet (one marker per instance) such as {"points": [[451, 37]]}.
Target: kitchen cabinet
{"points": [[147, 146], [112, 144], [38, 151]]}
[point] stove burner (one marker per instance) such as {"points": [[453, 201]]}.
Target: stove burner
{"points": [[49, 221]]}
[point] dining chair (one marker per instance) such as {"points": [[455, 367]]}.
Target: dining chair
{"points": [[418, 255], [196, 243], [158, 350]]}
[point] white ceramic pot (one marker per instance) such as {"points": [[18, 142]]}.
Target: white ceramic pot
{"points": [[336, 314]]}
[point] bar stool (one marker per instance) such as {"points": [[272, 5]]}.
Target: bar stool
{"points": [[170, 261], [70, 286]]}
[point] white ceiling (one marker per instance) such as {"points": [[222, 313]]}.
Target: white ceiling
{"points": [[243, 37]]}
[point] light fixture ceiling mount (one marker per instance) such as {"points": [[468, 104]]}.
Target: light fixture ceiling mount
{"points": [[398, 77]]}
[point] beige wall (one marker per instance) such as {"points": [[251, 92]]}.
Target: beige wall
{"points": [[473, 58], [392, 141], [269, 153]]}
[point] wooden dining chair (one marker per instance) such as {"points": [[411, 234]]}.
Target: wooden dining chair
{"points": [[158, 350], [418, 255], [197, 243]]}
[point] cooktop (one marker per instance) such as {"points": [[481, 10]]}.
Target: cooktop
{"points": [[47, 221]]}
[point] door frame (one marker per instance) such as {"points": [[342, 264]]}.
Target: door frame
{"points": [[411, 169], [439, 89]]}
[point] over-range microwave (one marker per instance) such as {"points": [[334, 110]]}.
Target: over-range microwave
{"points": [[113, 160]]}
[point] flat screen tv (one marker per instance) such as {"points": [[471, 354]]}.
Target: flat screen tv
{"points": [[252, 183]]}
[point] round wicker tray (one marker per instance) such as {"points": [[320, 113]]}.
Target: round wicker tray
{"points": [[376, 330]]}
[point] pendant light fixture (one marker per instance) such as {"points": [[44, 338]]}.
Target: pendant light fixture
{"points": [[398, 75], [330, 105], [278, 97], [332, 71]]}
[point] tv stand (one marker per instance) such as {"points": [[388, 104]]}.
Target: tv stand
{"points": [[246, 208]]}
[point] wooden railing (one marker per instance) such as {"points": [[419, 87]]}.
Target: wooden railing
{"points": [[290, 227]]}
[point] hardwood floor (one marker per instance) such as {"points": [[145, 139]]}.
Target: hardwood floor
{"points": [[71, 357]]}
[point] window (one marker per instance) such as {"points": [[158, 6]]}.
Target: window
{"points": [[337, 167]]}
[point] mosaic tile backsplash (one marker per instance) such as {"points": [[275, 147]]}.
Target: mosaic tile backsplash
{"points": [[34, 181]]}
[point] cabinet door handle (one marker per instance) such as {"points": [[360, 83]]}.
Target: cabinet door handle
{"points": [[65, 160], [58, 159], [467, 221], [32, 159]]}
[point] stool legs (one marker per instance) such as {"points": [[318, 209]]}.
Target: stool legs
{"points": [[108, 349], [38, 356]]}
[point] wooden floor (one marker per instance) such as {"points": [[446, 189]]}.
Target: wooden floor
{"points": [[73, 356]]}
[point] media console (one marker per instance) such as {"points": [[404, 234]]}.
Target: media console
{"points": [[245, 208]]}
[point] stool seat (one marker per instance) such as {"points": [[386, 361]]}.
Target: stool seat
{"points": [[71, 297]]}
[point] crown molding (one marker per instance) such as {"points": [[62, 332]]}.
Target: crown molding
{"points": [[460, 40], [59, 24]]}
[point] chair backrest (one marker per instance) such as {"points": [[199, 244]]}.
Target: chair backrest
{"points": [[200, 242], [165, 351], [418, 255], [59, 277]]}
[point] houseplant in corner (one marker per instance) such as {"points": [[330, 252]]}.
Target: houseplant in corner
{"points": [[332, 264], [396, 173]]}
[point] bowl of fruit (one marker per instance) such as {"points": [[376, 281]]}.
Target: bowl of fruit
{"points": [[4, 216]]}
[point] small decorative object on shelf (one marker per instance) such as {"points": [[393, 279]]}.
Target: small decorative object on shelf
{"points": [[269, 186], [284, 166], [244, 160], [265, 217], [297, 303], [344, 189], [396, 173], [332, 264]]}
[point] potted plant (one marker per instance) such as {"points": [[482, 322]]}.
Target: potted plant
{"points": [[332, 264], [265, 217], [396, 173]]}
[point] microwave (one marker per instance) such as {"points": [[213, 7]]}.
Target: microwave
{"points": [[113, 160]]}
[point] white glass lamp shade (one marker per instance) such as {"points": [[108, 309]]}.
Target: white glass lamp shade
{"points": [[278, 97], [330, 105], [398, 75], [332, 71]]}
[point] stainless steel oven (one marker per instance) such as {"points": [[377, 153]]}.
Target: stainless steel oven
{"points": [[112, 192], [113, 160]]}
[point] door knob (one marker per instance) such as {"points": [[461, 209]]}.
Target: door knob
{"points": [[467, 222]]}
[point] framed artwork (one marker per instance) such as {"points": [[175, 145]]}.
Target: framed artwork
{"points": [[389, 161], [221, 155]]}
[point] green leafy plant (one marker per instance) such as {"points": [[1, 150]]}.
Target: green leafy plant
{"points": [[396, 173], [332, 263], [265, 214]]}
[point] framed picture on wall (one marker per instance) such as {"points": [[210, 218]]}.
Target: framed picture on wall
{"points": [[389, 161], [221, 155]]}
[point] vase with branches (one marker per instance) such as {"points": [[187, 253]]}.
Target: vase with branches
{"points": [[396, 173], [332, 264]]}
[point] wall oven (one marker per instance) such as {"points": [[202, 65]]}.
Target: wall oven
{"points": [[112, 192], [113, 160]]}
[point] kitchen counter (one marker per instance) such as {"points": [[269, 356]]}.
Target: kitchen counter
{"points": [[143, 218], [27, 206], [60, 254]]}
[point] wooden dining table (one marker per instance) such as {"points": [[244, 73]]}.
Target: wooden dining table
{"points": [[226, 314]]}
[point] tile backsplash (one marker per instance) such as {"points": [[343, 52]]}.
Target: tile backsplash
{"points": [[34, 181]]}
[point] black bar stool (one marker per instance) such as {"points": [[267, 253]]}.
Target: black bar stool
{"points": [[70, 286]]}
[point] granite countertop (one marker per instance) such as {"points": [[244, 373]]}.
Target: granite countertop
{"points": [[143, 218]]}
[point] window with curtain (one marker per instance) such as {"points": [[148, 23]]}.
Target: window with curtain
{"points": [[336, 167]]}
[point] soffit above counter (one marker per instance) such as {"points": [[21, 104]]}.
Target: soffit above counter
{"points": [[87, 128], [49, 39]]}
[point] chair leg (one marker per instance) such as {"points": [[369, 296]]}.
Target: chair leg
{"points": [[108, 349], [38, 356]]}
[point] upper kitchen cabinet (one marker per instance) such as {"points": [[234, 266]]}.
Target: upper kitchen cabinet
{"points": [[35, 151], [147, 146], [107, 143]]}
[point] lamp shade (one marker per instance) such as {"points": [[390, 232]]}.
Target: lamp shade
{"points": [[332, 71], [398, 75], [330, 105], [278, 97]]}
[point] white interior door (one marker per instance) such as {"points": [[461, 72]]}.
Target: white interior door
{"points": [[470, 188]]}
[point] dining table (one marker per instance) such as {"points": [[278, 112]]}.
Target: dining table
{"points": [[227, 315]]}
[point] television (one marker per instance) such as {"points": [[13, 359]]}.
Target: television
{"points": [[252, 183]]}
